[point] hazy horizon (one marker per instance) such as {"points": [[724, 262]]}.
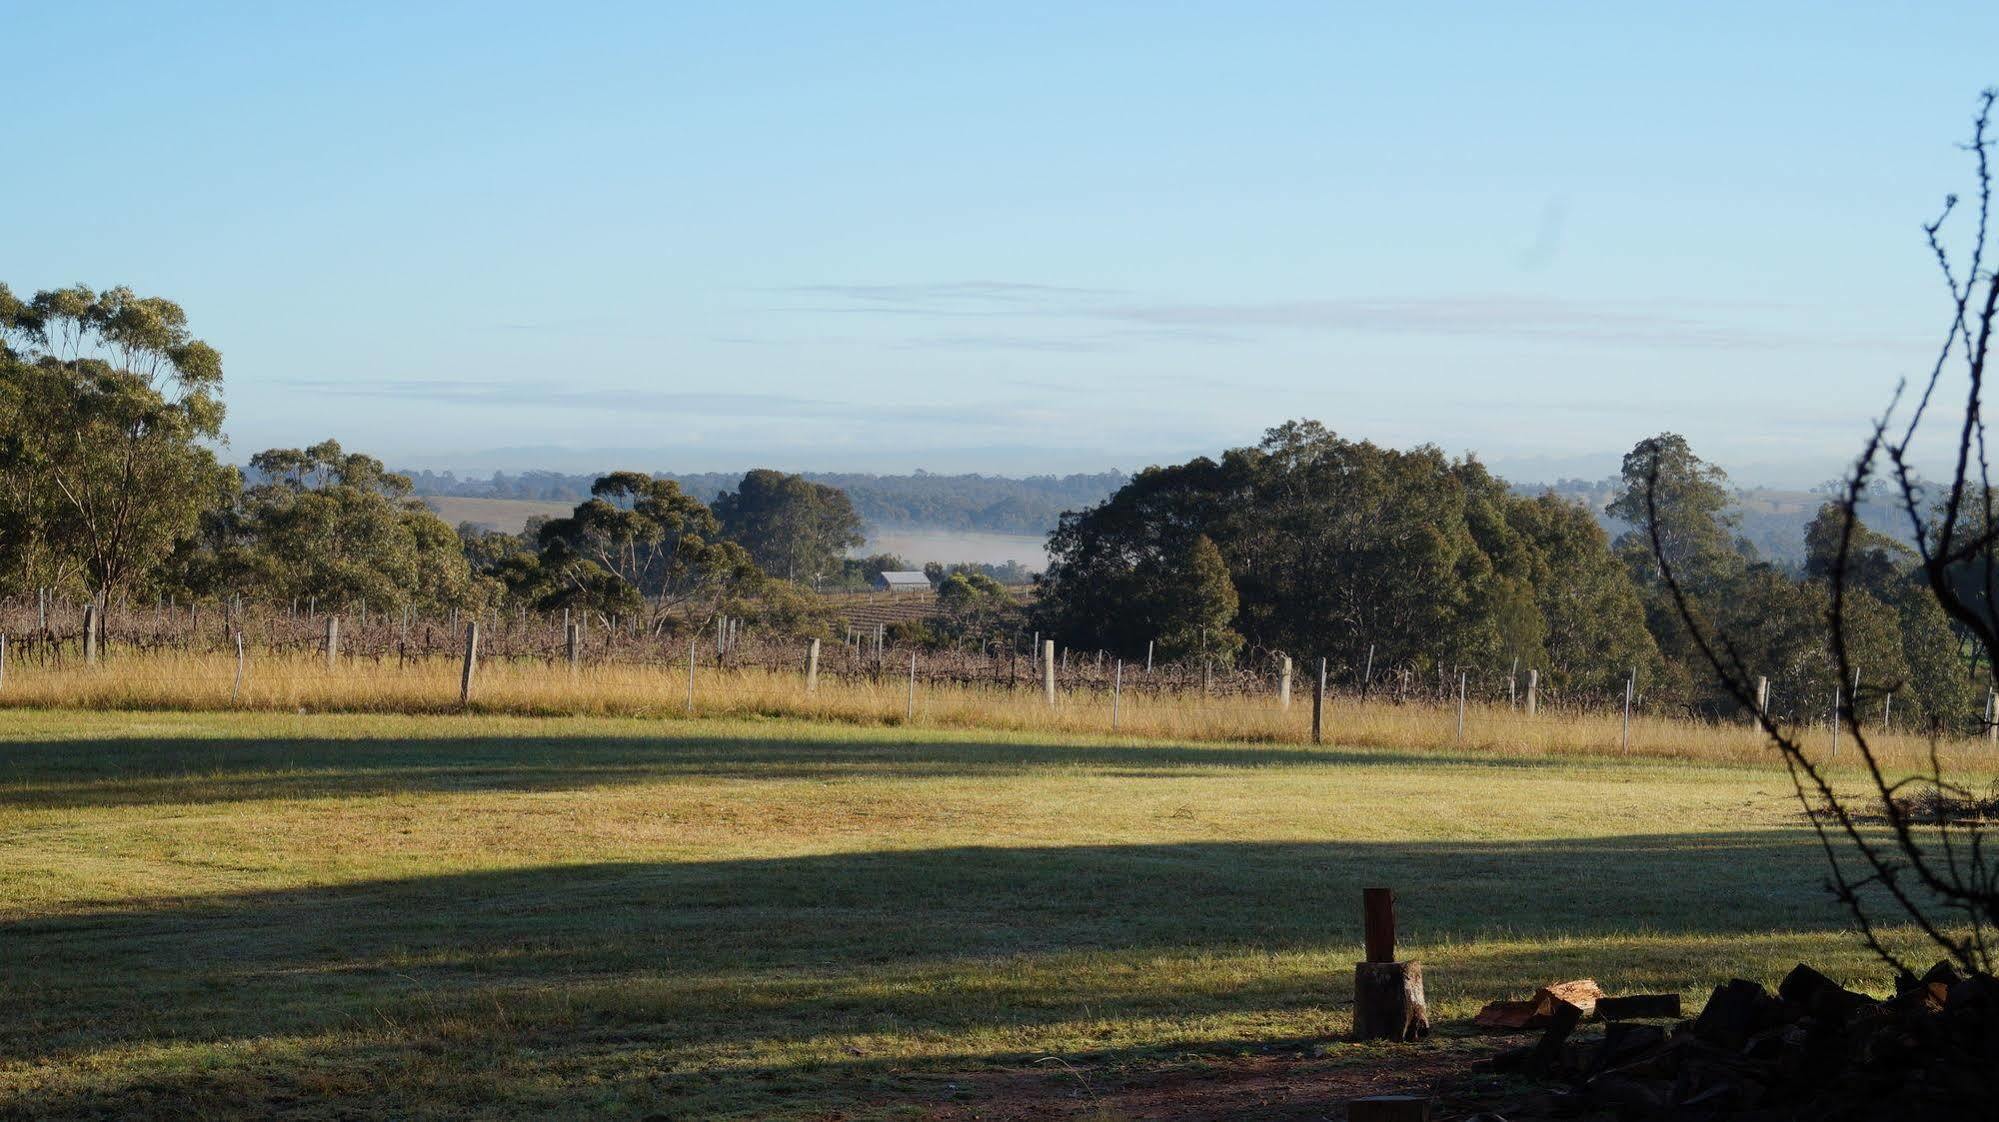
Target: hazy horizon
{"points": [[482, 464]]}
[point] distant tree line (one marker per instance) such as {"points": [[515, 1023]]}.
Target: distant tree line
{"points": [[1319, 546], [989, 504]]}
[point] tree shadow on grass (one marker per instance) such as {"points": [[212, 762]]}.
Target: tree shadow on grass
{"points": [[145, 769], [939, 940]]}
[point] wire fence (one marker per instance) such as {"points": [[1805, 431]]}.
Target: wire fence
{"points": [[230, 653]]}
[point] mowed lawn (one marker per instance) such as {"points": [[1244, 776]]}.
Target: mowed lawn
{"points": [[334, 916]]}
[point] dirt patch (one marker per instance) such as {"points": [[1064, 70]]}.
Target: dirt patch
{"points": [[1310, 1083]]}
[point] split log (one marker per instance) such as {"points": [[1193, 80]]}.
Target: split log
{"points": [[1548, 1050], [1389, 1108], [1388, 1002], [1638, 1006]]}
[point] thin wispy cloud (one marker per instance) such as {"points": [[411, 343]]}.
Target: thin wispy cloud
{"points": [[946, 293], [549, 395], [1499, 317]]}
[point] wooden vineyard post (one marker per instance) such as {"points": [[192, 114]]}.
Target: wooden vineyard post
{"points": [[1388, 999], [1762, 702], [3, 661], [1630, 685], [1048, 671], [1284, 684], [332, 641], [1835, 722], [1319, 704], [90, 634], [471, 663], [812, 666], [1461, 707], [236, 687], [1117, 692], [1533, 691], [691, 651], [909, 710], [1148, 656], [1367, 674], [571, 642]]}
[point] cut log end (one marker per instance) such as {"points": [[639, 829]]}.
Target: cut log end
{"points": [[1388, 1002]]}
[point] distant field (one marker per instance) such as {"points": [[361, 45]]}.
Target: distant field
{"points": [[948, 546], [505, 515], [265, 914]]}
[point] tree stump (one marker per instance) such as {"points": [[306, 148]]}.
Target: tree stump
{"points": [[1389, 1108], [1388, 1002]]}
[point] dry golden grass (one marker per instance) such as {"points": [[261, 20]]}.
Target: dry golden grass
{"points": [[199, 682]]}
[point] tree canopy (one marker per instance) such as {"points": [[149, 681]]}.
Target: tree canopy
{"points": [[109, 411]]}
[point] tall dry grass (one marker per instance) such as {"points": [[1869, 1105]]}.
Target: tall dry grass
{"points": [[534, 687]]}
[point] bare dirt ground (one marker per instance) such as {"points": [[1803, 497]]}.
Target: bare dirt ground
{"points": [[1306, 1083]]}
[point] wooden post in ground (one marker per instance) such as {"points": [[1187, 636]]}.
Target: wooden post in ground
{"points": [[1319, 704], [1533, 691], [1367, 674], [90, 634], [1148, 656], [236, 687], [1284, 684], [572, 644], [1887, 711], [1991, 717], [691, 650], [1835, 722], [1762, 701], [1461, 707], [1388, 995], [1630, 685], [1117, 692], [812, 666], [3, 661], [471, 663], [909, 710], [1048, 671], [332, 641]]}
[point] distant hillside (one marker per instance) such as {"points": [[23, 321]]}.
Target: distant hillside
{"points": [[984, 503]]}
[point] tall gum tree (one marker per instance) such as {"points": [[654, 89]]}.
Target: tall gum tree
{"points": [[110, 413]]}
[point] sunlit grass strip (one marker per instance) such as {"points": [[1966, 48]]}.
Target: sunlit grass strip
{"points": [[533, 687]]}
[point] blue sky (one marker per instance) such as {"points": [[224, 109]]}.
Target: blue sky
{"points": [[1012, 238]]}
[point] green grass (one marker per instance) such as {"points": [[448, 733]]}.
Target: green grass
{"points": [[244, 914]]}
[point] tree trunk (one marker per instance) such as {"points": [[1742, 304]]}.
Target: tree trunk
{"points": [[1388, 1001]]}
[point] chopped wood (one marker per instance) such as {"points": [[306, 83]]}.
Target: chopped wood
{"points": [[1638, 1006], [1539, 1011]]}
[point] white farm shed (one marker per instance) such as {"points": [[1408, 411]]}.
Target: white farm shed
{"points": [[904, 580]]}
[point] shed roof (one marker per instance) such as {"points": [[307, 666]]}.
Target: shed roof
{"points": [[904, 578]]}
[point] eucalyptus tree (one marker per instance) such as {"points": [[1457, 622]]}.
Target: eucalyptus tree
{"points": [[336, 526], [110, 413], [639, 543], [793, 528]]}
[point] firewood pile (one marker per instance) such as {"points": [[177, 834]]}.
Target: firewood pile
{"points": [[1812, 1050]]}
